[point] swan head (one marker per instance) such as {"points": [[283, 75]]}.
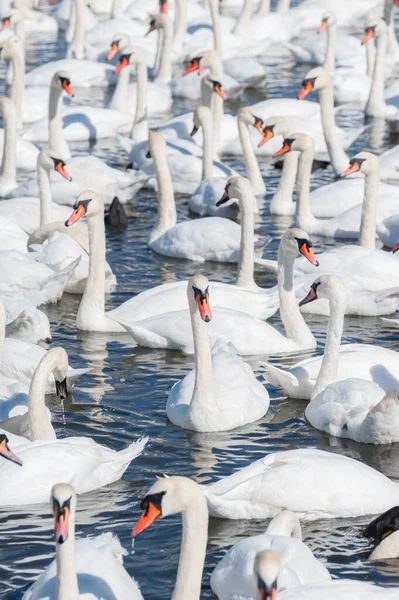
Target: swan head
{"points": [[202, 115], [14, 15], [156, 142], [59, 358], [63, 506], [301, 142], [198, 296], [129, 56], [297, 241], [62, 80], [168, 496], [375, 26], [209, 59], [276, 126], [159, 21], [51, 160], [383, 525], [119, 42], [329, 287], [88, 203], [238, 188], [327, 20], [316, 79], [267, 568], [366, 162], [246, 115], [5, 451]]}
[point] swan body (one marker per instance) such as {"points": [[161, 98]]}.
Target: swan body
{"points": [[234, 574], [342, 589], [25, 212], [24, 321], [312, 483], [87, 73]]}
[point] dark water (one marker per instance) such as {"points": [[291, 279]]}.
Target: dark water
{"points": [[124, 397]]}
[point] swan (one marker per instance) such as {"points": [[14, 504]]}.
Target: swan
{"points": [[85, 464], [5, 451], [388, 232], [25, 155], [248, 335], [222, 392], [347, 224], [36, 21], [169, 496], [383, 530], [87, 73], [314, 484], [342, 589], [353, 408], [98, 560], [24, 321], [282, 547]]}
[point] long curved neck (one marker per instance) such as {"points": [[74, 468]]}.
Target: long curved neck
{"points": [[57, 141], [180, 27], [167, 217], [71, 25], [285, 523], [291, 317], [203, 400], [245, 268], [17, 86], [376, 103], [193, 549], [164, 74], [139, 132], [67, 579], [263, 7], [329, 59], [245, 17], [155, 69], [251, 163], [282, 200], [217, 34], [217, 108], [117, 9], [303, 212], [369, 209], [370, 57], [77, 46], [329, 365], [283, 5], [46, 201], [119, 100], [8, 172], [93, 297], [337, 154], [207, 159], [39, 417]]}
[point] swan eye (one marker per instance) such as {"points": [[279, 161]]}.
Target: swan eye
{"points": [[154, 499]]}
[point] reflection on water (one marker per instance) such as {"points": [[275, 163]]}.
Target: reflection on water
{"points": [[124, 394]]}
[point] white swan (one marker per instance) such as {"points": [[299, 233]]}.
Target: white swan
{"points": [[86, 464], [342, 589], [312, 483], [383, 530], [388, 232], [222, 392], [353, 408], [248, 335], [169, 496], [281, 544], [87, 565]]}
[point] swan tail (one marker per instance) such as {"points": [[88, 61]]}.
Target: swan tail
{"points": [[388, 293], [133, 450], [268, 265], [111, 542], [262, 241], [382, 420], [74, 374], [279, 378]]}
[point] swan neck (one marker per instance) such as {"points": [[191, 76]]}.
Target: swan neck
{"points": [[217, 109], [370, 57], [329, 364], [376, 104], [167, 217], [39, 417], [369, 209], [338, 157], [207, 159], [245, 268], [46, 206], [245, 17], [303, 215], [117, 9], [18, 84], [119, 99], [329, 59], [77, 47], [264, 7], [57, 141], [67, 579], [192, 553], [202, 402], [250, 160], [93, 297], [8, 172], [180, 27], [282, 201], [164, 74], [217, 33], [139, 131]]}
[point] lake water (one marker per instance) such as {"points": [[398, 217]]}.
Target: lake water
{"points": [[124, 397]]}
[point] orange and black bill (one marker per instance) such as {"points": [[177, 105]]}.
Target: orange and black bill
{"points": [[368, 35], [267, 135], [163, 6], [123, 62], [307, 87], [152, 510], [395, 248], [397, 3], [113, 50], [80, 209], [305, 248], [323, 26], [59, 166], [202, 300], [5, 23], [217, 88], [152, 27], [266, 593], [61, 520], [354, 167], [6, 453], [286, 147], [193, 66], [312, 295], [258, 124], [66, 84], [226, 197]]}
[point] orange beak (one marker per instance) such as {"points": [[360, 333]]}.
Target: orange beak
{"points": [[286, 148], [7, 453], [323, 26], [164, 7], [61, 525], [267, 135], [353, 168], [306, 89], [308, 253], [148, 516], [370, 33], [219, 91], [263, 595], [113, 50], [310, 297], [5, 23], [204, 308], [259, 125], [395, 248], [122, 64], [60, 168], [68, 88], [77, 214], [194, 66], [397, 3]]}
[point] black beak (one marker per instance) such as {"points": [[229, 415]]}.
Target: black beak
{"points": [[194, 131], [225, 196], [61, 389], [148, 155]]}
